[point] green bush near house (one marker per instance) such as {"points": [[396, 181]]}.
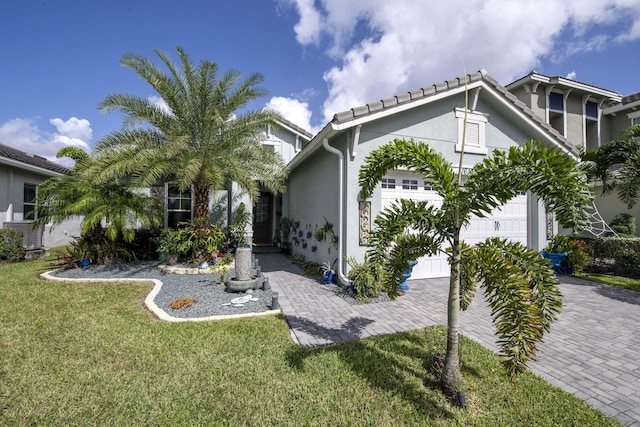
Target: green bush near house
{"points": [[11, 248], [366, 278], [620, 256]]}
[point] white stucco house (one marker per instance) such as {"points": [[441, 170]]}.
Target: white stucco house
{"points": [[20, 175], [324, 175]]}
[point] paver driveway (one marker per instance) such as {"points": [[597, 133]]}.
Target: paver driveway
{"points": [[592, 351]]}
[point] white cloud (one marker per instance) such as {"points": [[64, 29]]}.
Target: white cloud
{"points": [[572, 75], [160, 103], [297, 112], [388, 47], [26, 135]]}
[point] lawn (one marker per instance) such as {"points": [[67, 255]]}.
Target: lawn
{"points": [[79, 354], [617, 281]]}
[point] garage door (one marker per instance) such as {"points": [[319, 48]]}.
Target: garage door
{"points": [[509, 221]]}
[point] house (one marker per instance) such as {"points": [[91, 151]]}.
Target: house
{"points": [[20, 175], [323, 183], [587, 116]]}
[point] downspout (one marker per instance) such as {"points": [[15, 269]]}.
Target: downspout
{"points": [[325, 143]]}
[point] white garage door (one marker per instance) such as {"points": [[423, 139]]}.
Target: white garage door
{"points": [[510, 221]]}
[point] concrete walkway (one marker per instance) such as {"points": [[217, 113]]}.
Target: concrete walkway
{"points": [[592, 351]]}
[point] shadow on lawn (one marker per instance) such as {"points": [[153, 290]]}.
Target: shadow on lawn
{"points": [[400, 363]]}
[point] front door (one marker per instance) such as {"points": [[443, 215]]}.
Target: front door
{"points": [[263, 219]]}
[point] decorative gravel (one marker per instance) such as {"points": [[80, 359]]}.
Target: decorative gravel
{"points": [[204, 287]]}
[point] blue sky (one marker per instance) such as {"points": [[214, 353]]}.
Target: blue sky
{"points": [[60, 58]]}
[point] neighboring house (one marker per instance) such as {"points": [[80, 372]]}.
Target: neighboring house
{"points": [[20, 175], [588, 116], [324, 176]]}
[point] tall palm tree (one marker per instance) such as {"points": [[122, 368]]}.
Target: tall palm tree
{"points": [[616, 165], [111, 207], [519, 287], [200, 137]]}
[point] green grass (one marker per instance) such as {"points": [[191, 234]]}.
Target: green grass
{"points": [[617, 281], [86, 354]]}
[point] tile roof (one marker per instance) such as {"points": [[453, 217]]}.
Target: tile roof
{"points": [[296, 128], [31, 159], [440, 88], [631, 98]]}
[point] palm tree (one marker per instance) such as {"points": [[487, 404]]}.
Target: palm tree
{"points": [[111, 208], [198, 137], [617, 165], [519, 287]]}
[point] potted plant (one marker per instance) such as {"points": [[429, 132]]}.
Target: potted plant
{"points": [[556, 251], [173, 244], [327, 271]]}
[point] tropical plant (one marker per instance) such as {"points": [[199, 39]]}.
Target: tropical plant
{"points": [[196, 136], [202, 238], [237, 230], [174, 242], [111, 209], [575, 250], [521, 290], [367, 278], [616, 165]]}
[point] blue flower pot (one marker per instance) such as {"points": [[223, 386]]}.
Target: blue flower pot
{"points": [[555, 259]]}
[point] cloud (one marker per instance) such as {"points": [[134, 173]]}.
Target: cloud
{"points": [[572, 75], [295, 111], [381, 48], [160, 103], [26, 135]]}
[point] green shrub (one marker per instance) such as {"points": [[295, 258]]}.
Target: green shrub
{"points": [[11, 248], [366, 278], [624, 224], [620, 256]]}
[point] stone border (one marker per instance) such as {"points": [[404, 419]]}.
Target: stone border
{"points": [[150, 303]]}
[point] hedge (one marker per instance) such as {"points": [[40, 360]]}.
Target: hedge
{"points": [[617, 255], [11, 245]]}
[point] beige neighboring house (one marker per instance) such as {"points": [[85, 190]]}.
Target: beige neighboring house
{"points": [[20, 175], [587, 116]]}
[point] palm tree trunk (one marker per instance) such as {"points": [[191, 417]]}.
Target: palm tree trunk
{"points": [[451, 376], [201, 200]]}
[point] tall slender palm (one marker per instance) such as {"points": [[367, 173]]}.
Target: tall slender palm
{"points": [[201, 136], [519, 287], [617, 165]]}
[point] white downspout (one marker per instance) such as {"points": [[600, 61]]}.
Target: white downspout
{"points": [[325, 143]]}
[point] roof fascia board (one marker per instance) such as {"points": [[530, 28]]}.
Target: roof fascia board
{"points": [[292, 130], [614, 96], [30, 168], [316, 142]]}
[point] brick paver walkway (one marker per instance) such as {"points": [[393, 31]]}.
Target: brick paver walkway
{"points": [[592, 351]]}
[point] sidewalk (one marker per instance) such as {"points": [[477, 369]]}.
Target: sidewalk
{"points": [[592, 351]]}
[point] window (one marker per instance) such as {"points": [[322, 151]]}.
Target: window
{"points": [[635, 121], [29, 202], [475, 132], [591, 110], [409, 184], [428, 186], [388, 183], [556, 102], [556, 111], [178, 206]]}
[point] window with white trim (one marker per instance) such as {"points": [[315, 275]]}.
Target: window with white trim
{"points": [[428, 186], [556, 111], [29, 210], [178, 205], [389, 183], [475, 133], [409, 184], [634, 117], [635, 121]]}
